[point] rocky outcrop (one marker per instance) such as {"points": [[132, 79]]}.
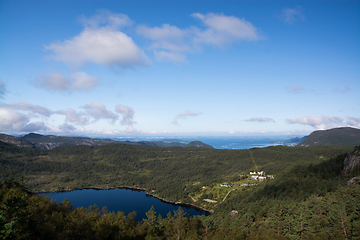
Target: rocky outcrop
{"points": [[16, 141], [234, 213], [353, 181], [352, 159]]}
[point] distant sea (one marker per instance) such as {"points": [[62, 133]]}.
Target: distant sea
{"points": [[222, 142], [241, 143]]}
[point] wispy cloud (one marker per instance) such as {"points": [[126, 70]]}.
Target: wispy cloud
{"points": [[292, 15], [170, 56], [294, 89], [260, 119], [101, 42], [343, 89], [353, 121], [325, 122], [2, 89], [184, 115], [77, 81], [74, 116], [217, 30], [28, 107]]}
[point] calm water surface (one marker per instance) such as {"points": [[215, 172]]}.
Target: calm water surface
{"points": [[124, 200], [222, 142]]}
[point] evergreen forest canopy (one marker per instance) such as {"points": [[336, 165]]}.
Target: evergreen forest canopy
{"points": [[346, 136], [308, 199]]}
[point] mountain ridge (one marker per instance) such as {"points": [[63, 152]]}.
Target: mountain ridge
{"points": [[49, 142], [20, 142], [346, 136]]}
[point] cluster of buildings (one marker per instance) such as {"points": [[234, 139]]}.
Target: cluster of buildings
{"points": [[260, 176], [225, 185]]}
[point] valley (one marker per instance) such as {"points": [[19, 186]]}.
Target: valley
{"points": [[272, 191]]}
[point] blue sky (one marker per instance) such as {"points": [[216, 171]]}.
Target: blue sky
{"points": [[178, 68]]}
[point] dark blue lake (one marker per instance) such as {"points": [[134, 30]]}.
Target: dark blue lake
{"points": [[124, 200]]}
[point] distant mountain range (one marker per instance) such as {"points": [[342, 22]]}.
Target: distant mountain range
{"points": [[34, 140], [345, 136], [51, 141]]}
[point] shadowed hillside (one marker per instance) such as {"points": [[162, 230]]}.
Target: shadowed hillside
{"points": [[345, 136]]}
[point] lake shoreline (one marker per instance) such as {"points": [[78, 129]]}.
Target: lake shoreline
{"points": [[207, 212]]}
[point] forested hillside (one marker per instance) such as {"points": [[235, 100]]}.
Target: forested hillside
{"points": [[310, 200], [175, 174], [346, 136]]}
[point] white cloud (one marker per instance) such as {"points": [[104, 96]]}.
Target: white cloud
{"points": [[77, 81], [12, 120], [260, 119], [184, 115], [223, 30], [83, 81], [74, 116], [294, 89], [325, 122], [101, 43], [99, 111], [17, 117], [23, 117], [163, 34], [127, 114], [291, 15], [171, 42]]}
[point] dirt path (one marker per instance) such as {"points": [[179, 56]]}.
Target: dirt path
{"points": [[252, 158], [192, 198], [225, 197]]}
